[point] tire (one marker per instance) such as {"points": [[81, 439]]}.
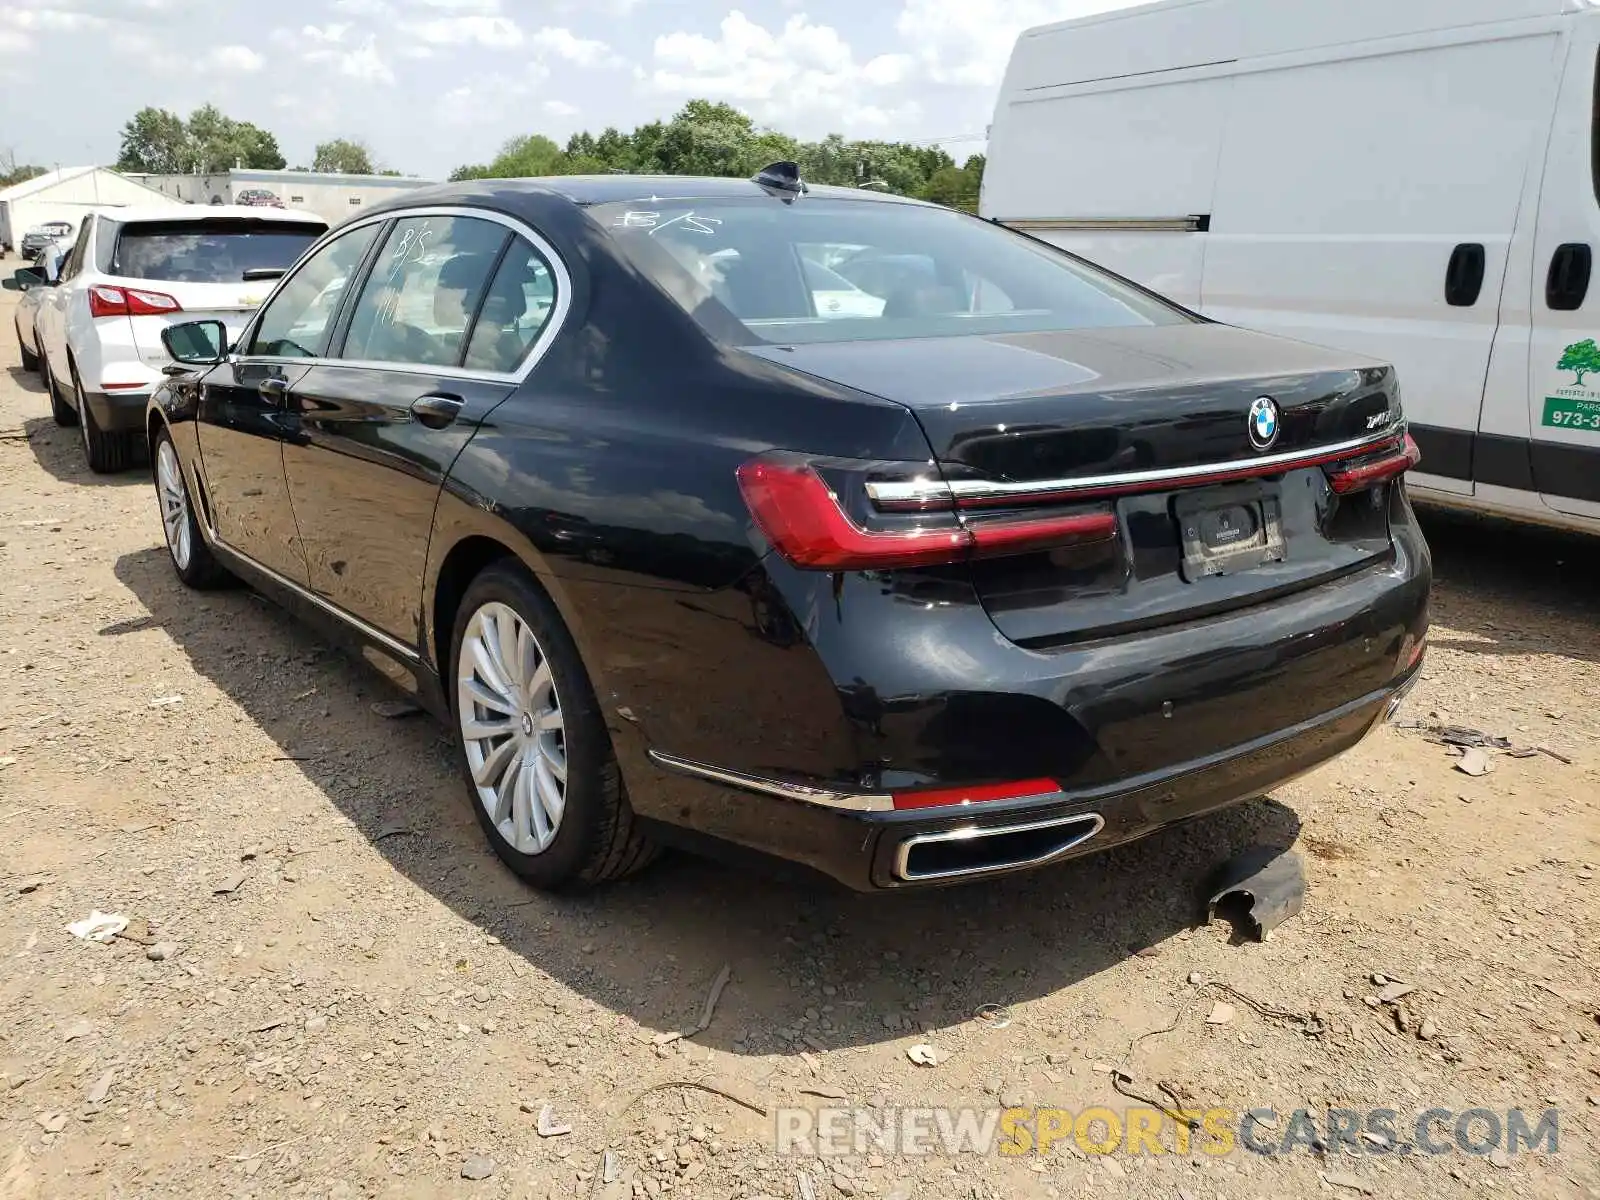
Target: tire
{"points": [[106, 453], [592, 837], [65, 415], [187, 548], [30, 360]]}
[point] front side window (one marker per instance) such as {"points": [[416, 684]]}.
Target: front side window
{"points": [[515, 311], [426, 284], [296, 322], [831, 270]]}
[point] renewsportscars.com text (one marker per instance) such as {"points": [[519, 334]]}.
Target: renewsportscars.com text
{"points": [[843, 1131]]}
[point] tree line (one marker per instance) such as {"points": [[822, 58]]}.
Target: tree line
{"points": [[159, 142], [713, 138], [703, 138]]}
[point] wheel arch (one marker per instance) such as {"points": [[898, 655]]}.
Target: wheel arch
{"points": [[467, 540]]}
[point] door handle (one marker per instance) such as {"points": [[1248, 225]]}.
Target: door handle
{"points": [[273, 388], [1463, 278], [1567, 285], [436, 410]]}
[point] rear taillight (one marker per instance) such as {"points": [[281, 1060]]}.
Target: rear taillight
{"points": [[108, 301], [804, 519], [1389, 463]]}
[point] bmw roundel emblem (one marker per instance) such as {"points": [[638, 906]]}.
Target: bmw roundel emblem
{"points": [[1263, 423]]}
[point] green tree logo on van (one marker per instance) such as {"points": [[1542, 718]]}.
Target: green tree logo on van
{"points": [[1581, 357]]}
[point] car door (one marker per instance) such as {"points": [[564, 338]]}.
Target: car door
{"points": [[443, 329], [243, 409], [52, 319], [1564, 351]]}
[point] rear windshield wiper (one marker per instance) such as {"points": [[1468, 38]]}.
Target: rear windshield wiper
{"points": [[255, 273]]}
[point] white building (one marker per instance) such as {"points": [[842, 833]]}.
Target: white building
{"points": [[65, 194], [333, 197]]}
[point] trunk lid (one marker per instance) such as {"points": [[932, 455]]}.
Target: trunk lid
{"points": [[230, 303], [1141, 419]]}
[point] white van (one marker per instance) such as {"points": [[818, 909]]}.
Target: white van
{"points": [[1417, 180]]}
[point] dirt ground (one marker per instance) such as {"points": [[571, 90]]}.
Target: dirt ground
{"points": [[356, 999]]}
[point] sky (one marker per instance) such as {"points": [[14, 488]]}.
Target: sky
{"points": [[432, 84]]}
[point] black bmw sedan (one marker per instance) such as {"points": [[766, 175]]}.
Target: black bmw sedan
{"points": [[826, 525]]}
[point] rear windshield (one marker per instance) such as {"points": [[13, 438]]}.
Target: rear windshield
{"points": [[208, 251], [834, 270]]}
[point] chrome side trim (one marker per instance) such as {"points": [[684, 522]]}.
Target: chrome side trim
{"points": [[970, 833], [804, 793], [928, 491], [1195, 223], [552, 326], [396, 647]]}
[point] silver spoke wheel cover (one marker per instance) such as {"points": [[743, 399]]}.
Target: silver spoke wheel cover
{"points": [[512, 727], [174, 504]]}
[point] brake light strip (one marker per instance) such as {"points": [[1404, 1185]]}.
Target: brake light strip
{"points": [[925, 493]]}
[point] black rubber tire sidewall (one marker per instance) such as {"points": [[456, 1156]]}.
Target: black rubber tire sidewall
{"points": [[204, 572], [62, 412], [593, 791], [30, 359]]}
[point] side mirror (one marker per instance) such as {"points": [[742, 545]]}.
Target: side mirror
{"points": [[196, 343], [23, 279]]}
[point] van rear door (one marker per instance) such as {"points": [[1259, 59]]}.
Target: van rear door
{"points": [[1369, 202], [1563, 408]]}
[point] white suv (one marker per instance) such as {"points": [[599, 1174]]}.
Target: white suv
{"points": [[131, 273]]}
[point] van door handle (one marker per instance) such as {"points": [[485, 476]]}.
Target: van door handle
{"points": [[436, 410], [273, 388], [1567, 286], [1463, 278]]}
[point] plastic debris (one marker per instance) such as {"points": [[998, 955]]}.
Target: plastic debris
{"points": [[98, 926], [1272, 882]]}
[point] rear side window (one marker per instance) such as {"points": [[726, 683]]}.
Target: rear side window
{"points": [[515, 310], [832, 270], [296, 321], [215, 251], [426, 284], [74, 262]]}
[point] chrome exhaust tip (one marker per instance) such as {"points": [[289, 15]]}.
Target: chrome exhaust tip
{"points": [[973, 850]]}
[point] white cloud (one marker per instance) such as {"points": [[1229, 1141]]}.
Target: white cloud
{"points": [[329, 34], [365, 64], [481, 7], [489, 95], [235, 58], [560, 108], [54, 20], [563, 43], [968, 42], [800, 75], [14, 41], [887, 69], [482, 30]]}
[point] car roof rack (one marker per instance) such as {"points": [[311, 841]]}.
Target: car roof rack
{"points": [[782, 176]]}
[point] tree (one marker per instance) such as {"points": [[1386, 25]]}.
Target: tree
{"points": [[707, 137], [258, 149], [13, 173], [155, 141], [1581, 357], [344, 156], [163, 143]]}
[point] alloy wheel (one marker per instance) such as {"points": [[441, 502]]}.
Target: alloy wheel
{"points": [[512, 727], [174, 504]]}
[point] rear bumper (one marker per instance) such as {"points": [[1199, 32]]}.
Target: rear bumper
{"points": [[796, 741], [872, 851], [120, 411]]}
